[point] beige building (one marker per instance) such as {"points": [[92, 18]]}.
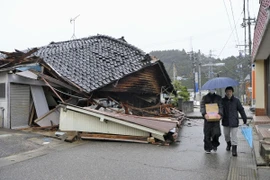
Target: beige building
{"points": [[261, 61]]}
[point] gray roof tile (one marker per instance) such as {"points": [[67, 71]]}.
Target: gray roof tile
{"points": [[93, 62]]}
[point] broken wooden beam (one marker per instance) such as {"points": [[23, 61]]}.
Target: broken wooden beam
{"points": [[58, 82], [113, 137]]}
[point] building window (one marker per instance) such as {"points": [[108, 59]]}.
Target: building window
{"points": [[2, 90]]}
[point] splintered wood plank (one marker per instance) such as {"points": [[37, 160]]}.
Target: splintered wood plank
{"points": [[113, 137]]}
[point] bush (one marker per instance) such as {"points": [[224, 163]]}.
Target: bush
{"points": [[182, 92]]}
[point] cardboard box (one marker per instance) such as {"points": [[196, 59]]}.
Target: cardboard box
{"points": [[212, 111]]}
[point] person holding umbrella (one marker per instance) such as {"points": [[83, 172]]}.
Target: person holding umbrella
{"points": [[211, 129], [230, 120]]}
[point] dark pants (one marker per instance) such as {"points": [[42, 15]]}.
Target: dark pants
{"points": [[212, 133]]}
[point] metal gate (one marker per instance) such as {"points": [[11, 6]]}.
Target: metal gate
{"points": [[19, 105]]}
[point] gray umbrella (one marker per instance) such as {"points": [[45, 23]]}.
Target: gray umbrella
{"points": [[219, 82]]}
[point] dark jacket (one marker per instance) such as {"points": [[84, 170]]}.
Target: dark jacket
{"points": [[231, 107], [211, 98]]}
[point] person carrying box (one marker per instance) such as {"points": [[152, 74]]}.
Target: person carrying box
{"points": [[212, 111]]}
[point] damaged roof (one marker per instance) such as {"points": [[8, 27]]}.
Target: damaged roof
{"points": [[93, 62], [96, 62], [2, 56]]}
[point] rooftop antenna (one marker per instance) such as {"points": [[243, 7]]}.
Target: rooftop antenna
{"points": [[72, 20]]}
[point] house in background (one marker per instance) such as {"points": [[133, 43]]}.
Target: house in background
{"points": [[261, 63]]}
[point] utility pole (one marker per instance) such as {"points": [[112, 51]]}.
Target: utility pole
{"points": [[244, 25], [210, 73], [199, 74], [199, 66], [194, 72], [210, 65], [191, 56], [174, 72], [250, 20], [249, 23], [249, 46], [249, 29]]}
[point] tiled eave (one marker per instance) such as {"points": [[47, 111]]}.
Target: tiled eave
{"points": [[261, 40]]}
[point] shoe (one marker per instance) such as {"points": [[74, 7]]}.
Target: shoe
{"points": [[228, 148], [207, 151], [234, 150], [214, 149]]}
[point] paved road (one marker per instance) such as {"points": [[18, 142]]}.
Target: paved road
{"points": [[14, 142], [120, 160]]}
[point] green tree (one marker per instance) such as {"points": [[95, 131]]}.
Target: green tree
{"points": [[182, 92]]}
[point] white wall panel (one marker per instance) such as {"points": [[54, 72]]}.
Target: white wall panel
{"points": [[76, 121], [3, 102]]}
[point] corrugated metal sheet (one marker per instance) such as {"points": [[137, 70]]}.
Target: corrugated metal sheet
{"points": [[71, 120], [19, 105]]}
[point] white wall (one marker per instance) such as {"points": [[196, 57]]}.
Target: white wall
{"points": [[3, 101]]}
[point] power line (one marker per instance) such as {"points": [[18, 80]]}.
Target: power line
{"points": [[229, 36], [232, 73], [234, 22], [178, 40], [229, 18]]}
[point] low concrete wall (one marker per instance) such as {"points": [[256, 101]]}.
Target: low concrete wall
{"points": [[188, 107], [185, 106]]}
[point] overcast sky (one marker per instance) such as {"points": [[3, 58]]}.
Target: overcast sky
{"points": [[150, 25]]}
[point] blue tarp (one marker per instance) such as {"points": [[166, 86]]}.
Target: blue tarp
{"points": [[34, 67]]}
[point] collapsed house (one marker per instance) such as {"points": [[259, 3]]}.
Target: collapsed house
{"points": [[99, 87]]}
